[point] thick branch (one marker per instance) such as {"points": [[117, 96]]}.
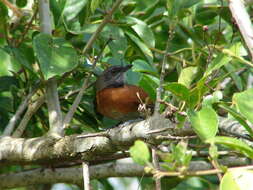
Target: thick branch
{"points": [[48, 150], [114, 169], [243, 22]]}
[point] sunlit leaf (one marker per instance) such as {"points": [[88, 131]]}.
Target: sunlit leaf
{"points": [[244, 102], [140, 152], [237, 179], [55, 56], [204, 122], [234, 144]]}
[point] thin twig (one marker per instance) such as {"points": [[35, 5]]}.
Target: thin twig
{"points": [[9, 128], [28, 115], [159, 174], [15, 10], [155, 161], [86, 176], [101, 26], [27, 27]]}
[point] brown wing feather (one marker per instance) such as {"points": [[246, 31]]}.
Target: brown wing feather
{"points": [[117, 103]]}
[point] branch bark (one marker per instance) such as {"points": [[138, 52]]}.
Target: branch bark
{"points": [[49, 150], [119, 168], [53, 103], [243, 22]]}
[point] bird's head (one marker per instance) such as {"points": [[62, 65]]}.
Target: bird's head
{"points": [[112, 77]]}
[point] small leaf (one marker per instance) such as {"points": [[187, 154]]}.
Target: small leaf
{"points": [[142, 47], [237, 179], [140, 152], [187, 75], [55, 56], [244, 102], [204, 122], [142, 66], [217, 63], [234, 144], [178, 90], [143, 31], [72, 8]]}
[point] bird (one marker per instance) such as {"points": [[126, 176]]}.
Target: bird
{"points": [[115, 98]]}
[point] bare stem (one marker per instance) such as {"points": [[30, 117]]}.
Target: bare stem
{"points": [[10, 127], [52, 98], [86, 176]]}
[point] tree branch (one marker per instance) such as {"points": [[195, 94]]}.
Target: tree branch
{"points": [[10, 127], [120, 168], [52, 98], [243, 22], [48, 150]]}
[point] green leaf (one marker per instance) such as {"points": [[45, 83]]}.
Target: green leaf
{"points": [[142, 66], [217, 63], [241, 119], [21, 3], [178, 90], [55, 56], [140, 152], [142, 47], [237, 179], [234, 144], [149, 84], [118, 45], [187, 75], [244, 102], [72, 8], [7, 64], [143, 31], [204, 122], [205, 15], [6, 82], [20, 57]]}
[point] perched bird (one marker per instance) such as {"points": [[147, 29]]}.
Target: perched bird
{"points": [[116, 99]]}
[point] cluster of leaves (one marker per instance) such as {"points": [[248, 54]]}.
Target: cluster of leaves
{"points": [[205, 51]]}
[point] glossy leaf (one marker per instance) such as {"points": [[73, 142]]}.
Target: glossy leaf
{"points": [[143, 30], [7, 64], [204, 122], [187, 75], [118, 45], [142, 47], [140, 152], [234, 144], [55, 56], [244, 102], [218, 62], [142, 66], [179, 90], [72, 8], [237, 179]]}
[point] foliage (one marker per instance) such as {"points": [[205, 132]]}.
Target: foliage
{"points": [[205, 51]]}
